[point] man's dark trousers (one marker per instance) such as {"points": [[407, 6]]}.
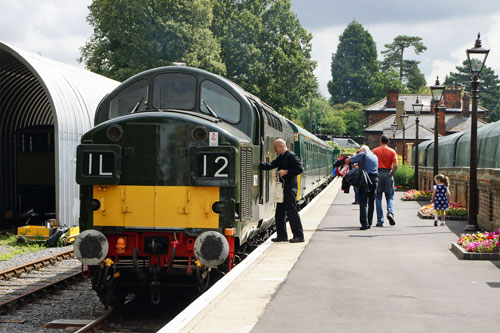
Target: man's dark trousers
{"points": [[367, 195], [289, 206]]}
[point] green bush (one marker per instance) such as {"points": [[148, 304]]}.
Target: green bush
{"points": [[404, 176]]}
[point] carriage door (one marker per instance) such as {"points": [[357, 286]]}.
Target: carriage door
{"points": [[260, 141]]}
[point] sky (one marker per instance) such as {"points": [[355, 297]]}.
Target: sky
{"points": [[57, 29]]}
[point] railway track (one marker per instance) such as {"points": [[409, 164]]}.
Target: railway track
{"points": [[33, 280]]}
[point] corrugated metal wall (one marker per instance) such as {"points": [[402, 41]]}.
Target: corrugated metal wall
{"points": [[38, 91]]}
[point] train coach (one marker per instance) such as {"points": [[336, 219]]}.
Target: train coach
{"points": [[170, 187]]}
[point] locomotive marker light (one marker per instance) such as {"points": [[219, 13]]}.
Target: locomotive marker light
{"points": [[437, 92], [91, 247], [476, 57], [417, 108], [211, 248]]}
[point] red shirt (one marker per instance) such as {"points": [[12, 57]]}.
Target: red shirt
{"points": [[386, 157]]}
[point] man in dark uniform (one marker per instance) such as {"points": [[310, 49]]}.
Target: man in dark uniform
{"points": [[289, 166]]}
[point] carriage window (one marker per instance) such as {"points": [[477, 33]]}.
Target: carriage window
{"points": [[174, 91], [216, 99], [132, 97]]}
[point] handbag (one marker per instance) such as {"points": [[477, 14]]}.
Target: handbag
{"points": [[279, 196]]}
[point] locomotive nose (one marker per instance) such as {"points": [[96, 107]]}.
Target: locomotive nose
{"points": [[211, 248], [91, 247]]}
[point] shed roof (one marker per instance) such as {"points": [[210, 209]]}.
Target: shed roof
{"points": [[47, 92]]}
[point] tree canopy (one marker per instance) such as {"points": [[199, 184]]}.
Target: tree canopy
{"points": [[266, 51], [489, 89], [131, 36], [353, 66], [409, 73], [259, 44]]}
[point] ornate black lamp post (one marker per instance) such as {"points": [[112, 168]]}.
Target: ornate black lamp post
{"points": [[394, 128], [417, 108], [404, 120], [476, 57], [437, 92]]}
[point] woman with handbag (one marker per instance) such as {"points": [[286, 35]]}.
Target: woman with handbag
{"points": [[289, 166], [366, 180]]}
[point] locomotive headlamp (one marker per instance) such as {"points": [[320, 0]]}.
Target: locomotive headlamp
{"points": [[91, 247], [199, 134], [218, 207], [211, 248], [121, 245], [114, 132], [95, 204]]}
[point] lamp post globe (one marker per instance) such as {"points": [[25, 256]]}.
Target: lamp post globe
{"points": [[476, 58]]}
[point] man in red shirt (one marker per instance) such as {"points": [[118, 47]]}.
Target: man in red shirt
{"points": [[387, 166]]}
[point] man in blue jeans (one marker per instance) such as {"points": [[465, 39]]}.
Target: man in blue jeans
{"points": [[387, 166]]}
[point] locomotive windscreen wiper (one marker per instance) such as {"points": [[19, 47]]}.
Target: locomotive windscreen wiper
{"points": [[209, 109], [137, 105]]}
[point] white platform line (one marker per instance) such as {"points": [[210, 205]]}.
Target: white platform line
{"points": [[183, 318]]}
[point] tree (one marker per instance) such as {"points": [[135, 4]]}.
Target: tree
{"points": [[353, 66], [489, 89], [131, 36], [354, 118], [416, 79], [384, 81], [266, 51], [320, 108], [394, 57]]}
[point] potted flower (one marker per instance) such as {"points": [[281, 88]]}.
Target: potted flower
{"points": [[416, 195], [456, 211]]}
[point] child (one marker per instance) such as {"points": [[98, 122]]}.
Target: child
{"points": [[440, 197]]}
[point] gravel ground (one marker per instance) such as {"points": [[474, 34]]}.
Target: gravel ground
{"points": [[76, 302]]}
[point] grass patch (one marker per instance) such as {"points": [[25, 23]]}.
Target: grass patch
{"points": [[11, 248]]}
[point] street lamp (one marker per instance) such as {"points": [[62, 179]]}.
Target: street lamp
{"points": [[417, 108], [394, 127], [404, 120], [476, 57], [437, 92]]}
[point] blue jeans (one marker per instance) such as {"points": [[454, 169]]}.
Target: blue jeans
{"points": [[389, 197], [356, 194]]}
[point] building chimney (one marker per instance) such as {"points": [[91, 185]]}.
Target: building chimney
{"points": [[441, 122], [392, 97], [451, 98], [465, 105]]}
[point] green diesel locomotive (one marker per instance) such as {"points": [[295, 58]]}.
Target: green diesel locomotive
{"points": [[169, 181]]}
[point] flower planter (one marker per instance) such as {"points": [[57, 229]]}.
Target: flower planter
{"points": [[448, 217], [464, 255]]}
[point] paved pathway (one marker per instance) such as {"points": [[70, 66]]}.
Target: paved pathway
{"points": [[392, 279]]}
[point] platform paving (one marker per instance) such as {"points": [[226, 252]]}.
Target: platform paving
{"points": [[401, 278]]}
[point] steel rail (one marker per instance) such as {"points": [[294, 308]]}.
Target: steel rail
{"points": [[37, 264]]}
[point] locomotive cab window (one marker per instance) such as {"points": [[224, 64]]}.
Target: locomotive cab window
{"points": [[215, 99], [174, 91], [130, 99]]}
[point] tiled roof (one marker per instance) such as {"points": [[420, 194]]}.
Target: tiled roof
{"points": [[454, 123], [409, 99]]}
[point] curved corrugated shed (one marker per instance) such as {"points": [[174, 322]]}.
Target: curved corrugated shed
{"points": [[38, 91]]}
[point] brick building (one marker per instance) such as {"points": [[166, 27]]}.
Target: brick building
{"points": [[455, 118]]}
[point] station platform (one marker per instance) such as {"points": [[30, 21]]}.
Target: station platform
{"points": [[401, 278]]}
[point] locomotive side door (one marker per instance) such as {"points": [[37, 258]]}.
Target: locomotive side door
{"points": [[260, 141]]}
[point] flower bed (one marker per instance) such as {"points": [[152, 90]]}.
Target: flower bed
{"points": [[413, 195], [456, 211], [485, 242]]}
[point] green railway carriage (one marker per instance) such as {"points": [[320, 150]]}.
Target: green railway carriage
{"points": [[169, 179]]}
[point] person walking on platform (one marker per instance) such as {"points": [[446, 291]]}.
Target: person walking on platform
{"points": [[289, 166], [440, 197], [387, 166], [368, 162]]}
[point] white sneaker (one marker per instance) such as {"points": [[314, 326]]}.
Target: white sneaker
{"points": [[442, 223]]}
